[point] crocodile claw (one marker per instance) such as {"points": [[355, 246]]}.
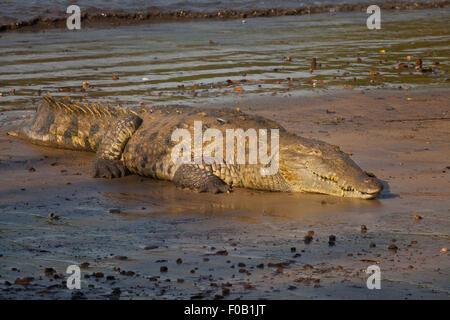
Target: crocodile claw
{"points": [[104, 168]]}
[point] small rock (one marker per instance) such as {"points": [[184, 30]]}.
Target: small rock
{"points": [[363, 229], [163, 269], [49, 271], [116, 291], [114, 210], [307, 239], [53, 216], [23, 281], [393, 247], [150, 247], [225, 292]]}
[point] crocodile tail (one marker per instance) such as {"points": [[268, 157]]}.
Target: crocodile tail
{"points": [[61, 124]]}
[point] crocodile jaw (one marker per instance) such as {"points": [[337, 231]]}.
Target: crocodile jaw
{"points": [[327, 170]]}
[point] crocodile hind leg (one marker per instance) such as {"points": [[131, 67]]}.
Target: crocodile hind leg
{"points": [[108, 163], [198, 179]]}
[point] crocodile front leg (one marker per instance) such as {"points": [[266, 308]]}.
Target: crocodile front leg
{"points": [[198, 179], [108, 163]]}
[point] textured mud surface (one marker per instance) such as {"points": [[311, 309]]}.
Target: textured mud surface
{"points": [[138, 238]]}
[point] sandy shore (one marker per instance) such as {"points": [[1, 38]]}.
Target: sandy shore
{"points": [[247, 244]]}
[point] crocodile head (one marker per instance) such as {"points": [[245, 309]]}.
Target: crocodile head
{"points": [[323, 168]]}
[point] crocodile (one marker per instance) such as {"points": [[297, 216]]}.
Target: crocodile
{"points": [[139, 141]]}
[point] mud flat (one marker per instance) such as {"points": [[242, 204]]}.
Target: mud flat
{"points": [[144, 239]]}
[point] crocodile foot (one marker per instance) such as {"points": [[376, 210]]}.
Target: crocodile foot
{"points": [[200, 180], [104, 168]]}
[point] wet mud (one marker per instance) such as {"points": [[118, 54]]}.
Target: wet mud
{"points": [[144, 239]]}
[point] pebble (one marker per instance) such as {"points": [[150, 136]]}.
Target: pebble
{"points": [[225, 292], [292, 287], [363, 229], [23, 281], [307, 239], [393, 247], [53, 216], [150, 247], [49, 271]]}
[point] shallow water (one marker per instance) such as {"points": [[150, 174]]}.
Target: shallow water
{"points": [[206, 61], [11, 11]]}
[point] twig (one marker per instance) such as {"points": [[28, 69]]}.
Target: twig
{"points": [[421, 119]]}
